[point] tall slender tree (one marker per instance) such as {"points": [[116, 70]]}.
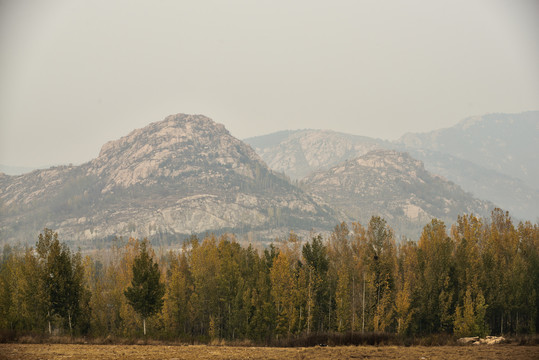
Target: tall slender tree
{"points": [[146, 292]]}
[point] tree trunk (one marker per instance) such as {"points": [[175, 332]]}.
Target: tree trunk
{"points": [[363, 314], [353, 302], [309, 304], [70, 327], [144, 325], [49, 318]]}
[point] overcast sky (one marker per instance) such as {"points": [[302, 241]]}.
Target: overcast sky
{"points": [[75, 74]]}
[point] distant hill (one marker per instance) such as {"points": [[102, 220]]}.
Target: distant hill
{"points": [[394, 186], [300, 152], [180, 176], [505, 191], [506, 143]]}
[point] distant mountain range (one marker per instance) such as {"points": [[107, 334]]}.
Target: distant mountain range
{"points": [[187, 175], [477, 143]]}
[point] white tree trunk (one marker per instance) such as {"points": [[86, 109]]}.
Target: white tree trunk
{"points": [[144, 324]]}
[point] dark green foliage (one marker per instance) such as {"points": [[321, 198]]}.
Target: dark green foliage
{"points": [[146, 292], [316, 259], [60, 280]]}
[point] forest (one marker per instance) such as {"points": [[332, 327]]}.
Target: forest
{"points": [[475, 278]]}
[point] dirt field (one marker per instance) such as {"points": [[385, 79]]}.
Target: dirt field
{"points": [[201, 352]]}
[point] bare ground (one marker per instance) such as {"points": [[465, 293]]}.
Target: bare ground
{"points": [[202, 352]]}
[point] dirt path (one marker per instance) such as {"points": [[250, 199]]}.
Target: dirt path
{"points": [[201, 352]]}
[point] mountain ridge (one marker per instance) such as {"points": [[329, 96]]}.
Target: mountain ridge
{"points": [[395, 186], [183, 175], [506, 190]]}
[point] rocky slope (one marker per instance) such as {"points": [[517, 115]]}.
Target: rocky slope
{"points": [[490, 156], [394, 186], [505, 191], [298, 153], [183, 175]]}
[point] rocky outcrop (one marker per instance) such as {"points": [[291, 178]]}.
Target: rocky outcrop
{"points": [[476, 340], [394, 186]]}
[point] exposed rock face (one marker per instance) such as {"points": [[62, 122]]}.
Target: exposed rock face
{"points": [[394, 186], [172, 148], [183, 175]]}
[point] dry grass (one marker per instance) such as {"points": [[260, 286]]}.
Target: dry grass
{"points": [[203, 352]]}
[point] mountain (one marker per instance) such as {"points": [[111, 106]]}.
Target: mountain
{"points": [[505, 191], [180, 176], [298, 153], [301, 152], [394, 186], [506, 143]]}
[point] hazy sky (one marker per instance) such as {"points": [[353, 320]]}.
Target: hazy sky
{"points": [[75, 74]]}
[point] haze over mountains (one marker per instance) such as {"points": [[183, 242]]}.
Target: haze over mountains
{"points": [[506, 143], [494, 157], [187, 175]]}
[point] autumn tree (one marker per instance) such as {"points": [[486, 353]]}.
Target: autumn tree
{"points": [[178, 290], [470, 317], [436, 266], [406, 285], [528, 301], [380, 257], [284, 291], [468, 235], [340, 279]]}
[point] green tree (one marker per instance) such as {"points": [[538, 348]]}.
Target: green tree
{"points": [[146, 292], [317, 263], [62, 276]]}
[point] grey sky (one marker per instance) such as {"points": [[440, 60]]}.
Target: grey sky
{"points": [[75, 74]]}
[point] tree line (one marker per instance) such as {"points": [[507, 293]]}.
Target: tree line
{"points": [[479, 277]]}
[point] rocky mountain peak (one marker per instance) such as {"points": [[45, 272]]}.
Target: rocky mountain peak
{"points": [[168, 148], [172, 130]]}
